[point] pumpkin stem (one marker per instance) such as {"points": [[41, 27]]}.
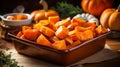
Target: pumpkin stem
{"points": [[44, 4], [118, 9]]}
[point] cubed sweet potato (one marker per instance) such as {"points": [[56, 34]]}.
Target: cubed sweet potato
{"points": [[25, 28], [37, 26], [72, 26], [52, 26], [81, 29], [68, 40], [21, 17], [75, 43], [44, 22], [86, 35], [31, 34], [42, 40], [81, 22], [61, 32], [53, 39], [54, 19], [74, 34], [100, 30], [90, 26], [64, 22], [23, 37], [19, 34], [60, 45], [47, 31]]}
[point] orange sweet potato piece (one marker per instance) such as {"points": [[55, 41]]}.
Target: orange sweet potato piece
{"points": [[44, 22], [42, 40], [64, 22], [61, 32], [54, 19], [90, 26], [47, 31], [54, 38], [77, 42], [86, 35], [100, 30], [74, 34], [37, 26], [31, 34], [81, 29], [72, 26], [68, 40], [81, 22], [52, 26], [20, 17], [19, 34], [25, 28], [23, 37], [60, 45]]}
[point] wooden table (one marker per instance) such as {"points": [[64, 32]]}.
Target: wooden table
{"points": [[114, 44]]}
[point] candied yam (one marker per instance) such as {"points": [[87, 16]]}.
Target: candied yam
{"points": [[47, 31], [19, 34], [42, 40], [64, 22], [80, 21], [60, 45], [74, 34], [31, 34], [100, 30], [61, 32], [86, 35], [54, 19]]}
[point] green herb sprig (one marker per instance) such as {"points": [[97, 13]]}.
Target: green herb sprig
{"points": [[5, 59], [67, 10]]}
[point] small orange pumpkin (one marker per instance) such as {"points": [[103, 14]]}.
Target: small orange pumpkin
{"points": [[44, 13], [110, 18], [96, 7]]}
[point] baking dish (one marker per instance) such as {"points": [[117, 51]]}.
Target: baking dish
{"points": [[59, 57]]}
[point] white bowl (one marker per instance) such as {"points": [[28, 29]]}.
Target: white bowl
{"points": [[27, 21]]}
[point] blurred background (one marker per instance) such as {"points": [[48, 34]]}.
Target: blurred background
{"points": [[7, 6]]}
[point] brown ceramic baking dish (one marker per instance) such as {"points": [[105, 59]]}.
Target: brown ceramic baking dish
{"points": [[59, 57]]}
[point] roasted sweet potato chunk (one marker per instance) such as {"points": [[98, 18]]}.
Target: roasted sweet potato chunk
{"points": [[31, 34], [61, 45], [47, 31], [100, 30], [64, 22], [54, 19], [61, 32], [42, 40]]}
